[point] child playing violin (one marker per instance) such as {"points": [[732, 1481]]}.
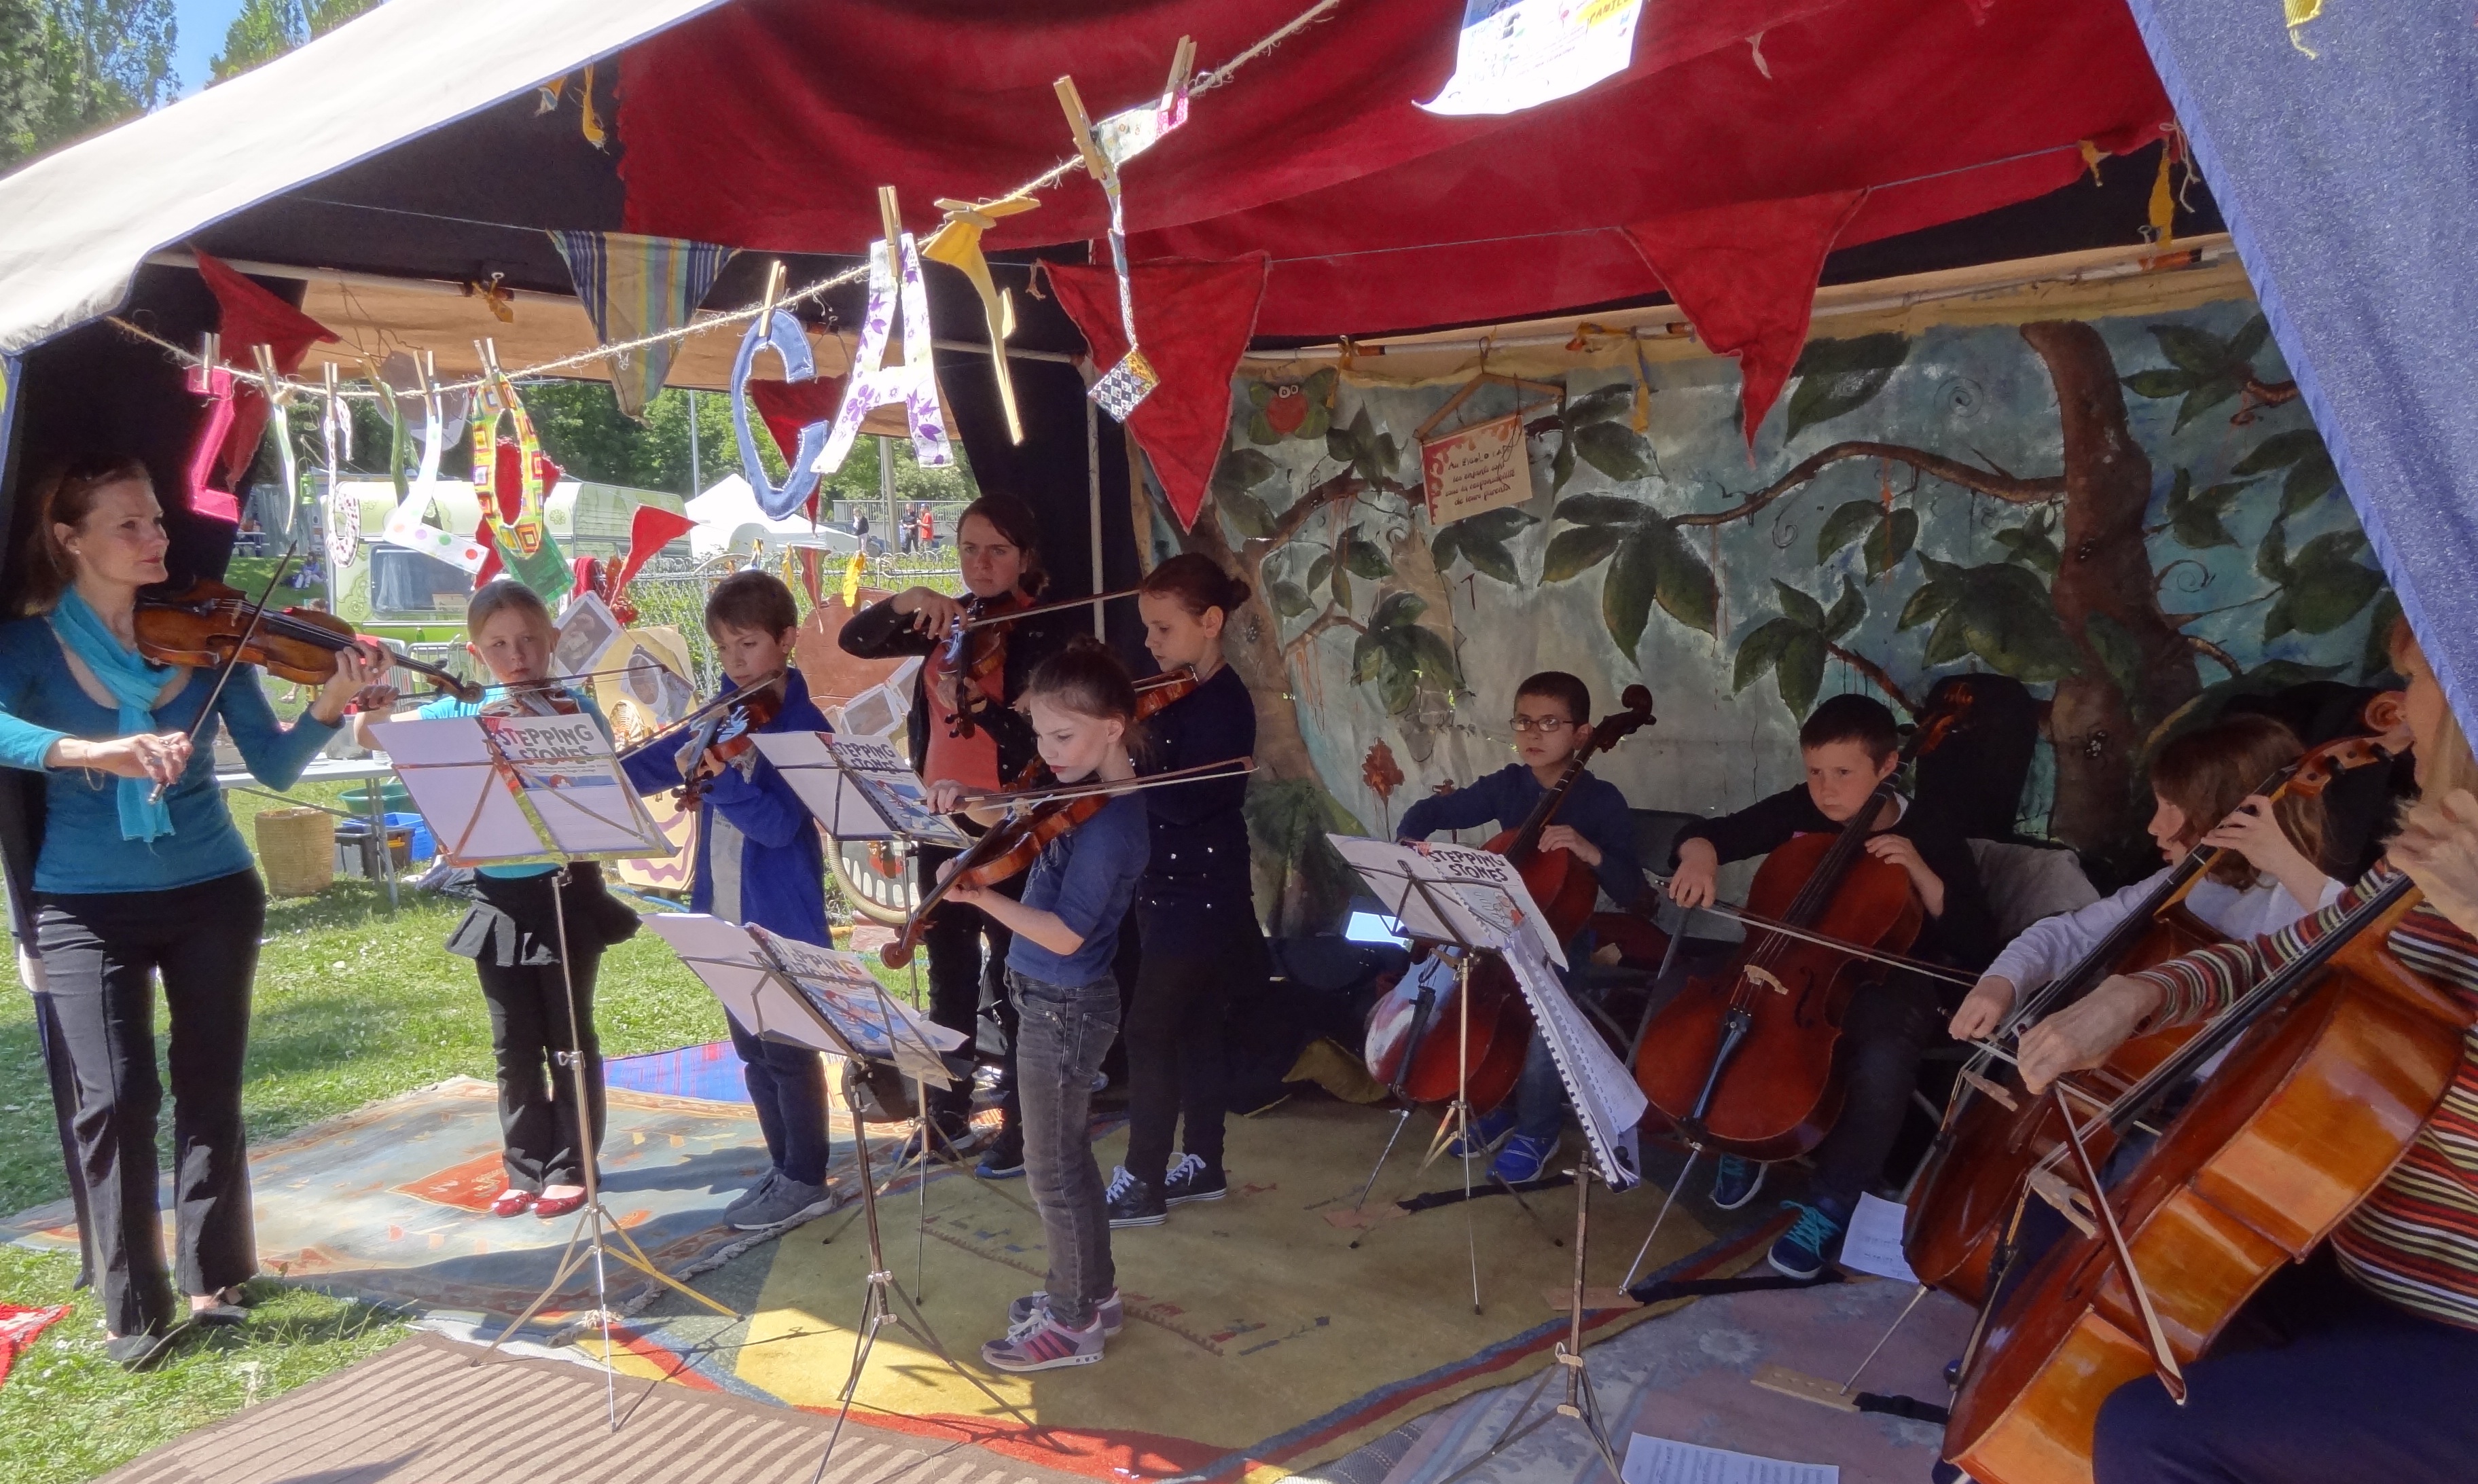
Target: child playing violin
{"points": [[511, 932], [1195, 907], [759, 859], [1081, 705], [1850, 750], [1553, 719]]}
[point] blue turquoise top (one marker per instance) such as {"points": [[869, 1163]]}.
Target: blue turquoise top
{"points": [[82, 850], [448, 707]]}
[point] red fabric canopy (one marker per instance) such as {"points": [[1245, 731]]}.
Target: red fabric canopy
{"points": [[767, 123]]}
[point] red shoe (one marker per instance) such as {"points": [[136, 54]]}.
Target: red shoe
{"points": [[511, 1202], [550, 1208]]}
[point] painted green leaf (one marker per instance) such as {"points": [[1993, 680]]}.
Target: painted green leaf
{"points": [[2278, 451], [1260, 429], [2209, 392], [1389, 455], [1491, 559], [1848, 612], [2199, 351], [1615, 450], [2276, 618], [1316, 425], [1341, 586], [1950, 639], [1579, 550], [1339, 447], [1259, 393], [2010, 621], [2195, 516], [1599, 405], [2378, 657], [2327, 588], [1844, 525], [1246, 514], [1929, 602], [1398, 685], [1799, 608], [1241, 468], [1434, 657], [2162, 383], [1940, 571], [1367, 654], [1290, 599], [2032, 546], [1319, 570], [1397, 609], [1444, 545], [1686, 591], [2247, 342], [1758, 651], [1837, 377], [2309, 479], [1800, 670], [1891, 541], [2272, 558], [1317, 389], [1366, 559], [1562, 465], [1503, 524], [2119, 656], [1602, 510], [1627, 591]]}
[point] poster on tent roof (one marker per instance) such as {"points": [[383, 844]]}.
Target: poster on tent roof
{"points": [[1519, 53]]}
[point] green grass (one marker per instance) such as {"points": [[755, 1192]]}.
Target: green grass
{"points": [[353, 1004]]}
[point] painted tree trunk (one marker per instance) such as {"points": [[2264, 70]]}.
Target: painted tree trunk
{"points": [[2106, 594], [1253, 645]]}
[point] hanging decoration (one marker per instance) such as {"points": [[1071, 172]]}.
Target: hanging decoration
{"points": [[210, 380], [633, 286], [248, 314], [851, 581], [343, 510], [1520, 54], [893, 270], [523, 539], [405, 526], [1122, 136], [776, 330], [281, 512], [958, 244]]}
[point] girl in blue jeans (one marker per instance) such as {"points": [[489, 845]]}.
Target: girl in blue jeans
{"points": [[1066, 929]]}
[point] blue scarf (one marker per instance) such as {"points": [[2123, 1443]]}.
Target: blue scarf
{"points": [[134, 683]]}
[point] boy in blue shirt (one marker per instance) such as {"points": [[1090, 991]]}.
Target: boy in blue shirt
{"points": [[760, 860], [1553, 717]]}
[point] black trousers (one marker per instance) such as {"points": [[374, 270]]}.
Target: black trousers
{"points": [[102, 953], [968, 952], [1197, 966], [531, 1044], [1883, 1033]]}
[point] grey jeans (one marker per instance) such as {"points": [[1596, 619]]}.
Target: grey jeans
{"points": [[1063, 1032]]}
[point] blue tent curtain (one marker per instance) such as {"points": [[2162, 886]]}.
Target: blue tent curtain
{"points": [[2346, 159]]}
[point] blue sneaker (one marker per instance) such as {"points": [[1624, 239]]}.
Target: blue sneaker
{"points": [[1486, 1133], [1523, 1158], [1801, 1252], [1736, 1182]]}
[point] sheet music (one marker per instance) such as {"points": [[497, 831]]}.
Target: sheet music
{"points": [[858, 790], [789, 990], [1650, 1460], [1451, 894], [1608, 1101], [1874, 1244], [507, 790]]}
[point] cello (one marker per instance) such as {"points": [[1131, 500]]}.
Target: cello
{"points": [[1744, 1061], [1424, 1068], [1995, 1136], [2338, 1058]]}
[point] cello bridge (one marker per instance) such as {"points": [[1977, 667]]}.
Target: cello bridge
{"points": [[1991, 1091], [2068, 1199]]}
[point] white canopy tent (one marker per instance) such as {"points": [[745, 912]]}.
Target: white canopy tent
{"points": [[728, 518]]}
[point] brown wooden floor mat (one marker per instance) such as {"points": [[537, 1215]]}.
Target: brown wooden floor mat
{"points": [[421, 1414]]}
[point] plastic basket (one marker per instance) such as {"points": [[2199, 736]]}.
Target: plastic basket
{"points": [[422, 846], [296, 847]]}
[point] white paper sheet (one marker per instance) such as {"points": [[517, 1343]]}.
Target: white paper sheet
{"points": [[1653, 1459], [858, 790], [1874, 1241], [1608, 1101], [473, 777], [1519, 53], [1451, 894], [791, 989]]}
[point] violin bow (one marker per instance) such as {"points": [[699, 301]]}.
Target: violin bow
{"points": [[1232, 768], [2162, 1358], [231, 661], [1763, 923]]}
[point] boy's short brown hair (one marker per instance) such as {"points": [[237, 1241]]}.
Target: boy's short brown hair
{"points": [[1853, 717], [1567, 690], [752, 600]]}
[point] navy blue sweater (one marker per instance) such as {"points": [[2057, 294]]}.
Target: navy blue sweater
{"points": [[1593, 809], [1200, 830], [782, 865]]}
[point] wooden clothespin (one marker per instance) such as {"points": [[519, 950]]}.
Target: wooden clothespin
{"points": [[892, 220], [211, 351], [334, 382], [773, 295], [279, 392], [1182, 62], [487, 349], [425, 368], [1080, 124]]}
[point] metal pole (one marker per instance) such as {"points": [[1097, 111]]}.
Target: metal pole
{"points": [[886, 488], [1093, 517], [696, 466]]}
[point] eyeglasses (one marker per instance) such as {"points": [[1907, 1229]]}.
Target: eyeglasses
{"points": [[1540, 723]]}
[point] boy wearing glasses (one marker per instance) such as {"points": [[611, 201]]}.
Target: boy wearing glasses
{"points": [[1552, 713]]}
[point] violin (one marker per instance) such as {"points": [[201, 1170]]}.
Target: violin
{"points": [[974, 650], [1994, 1136], [534, 699], [207, 625], [1482, 1057], [1744, 1061], [2337, 1061], [725, 735]]}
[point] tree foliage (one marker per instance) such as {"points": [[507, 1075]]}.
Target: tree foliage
{"points": [[266, 28], [73, 67]]}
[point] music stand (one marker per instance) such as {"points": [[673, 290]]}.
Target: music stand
{"points": [[507, 791], [827, 1001], [1471, 900]]}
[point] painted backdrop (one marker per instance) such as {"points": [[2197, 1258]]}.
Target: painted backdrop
{"points": [[2134, 516]]}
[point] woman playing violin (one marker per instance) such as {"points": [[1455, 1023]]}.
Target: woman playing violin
{"points": [[1195, 907], [2381, 1328], [140, 872], [964, 730]]}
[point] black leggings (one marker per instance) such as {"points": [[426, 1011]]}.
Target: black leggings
{"points": [[102, 952], [1196, 967], [962, 980]]}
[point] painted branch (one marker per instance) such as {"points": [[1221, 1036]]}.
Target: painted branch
{"points": [[1873, 672], [2222, 657], [2009, 488]]}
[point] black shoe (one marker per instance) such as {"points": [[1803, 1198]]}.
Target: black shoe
{"points": [[142, 1351], [1133, 1202], [1193, 1179], [1004, 1160], [1736, 1182]]}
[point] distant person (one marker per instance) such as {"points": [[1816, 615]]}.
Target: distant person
{"points": [[928, 528], [860, 526]]}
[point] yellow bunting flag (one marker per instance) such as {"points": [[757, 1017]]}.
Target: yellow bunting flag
{"points": [[2164, 204], [851, 581]]}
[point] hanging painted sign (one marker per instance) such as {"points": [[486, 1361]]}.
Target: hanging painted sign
{"points": [[1480, 466], [875, 383], [404, 525], [206, 451], [343, 510], [1519, 53], [524, 540], [779, 332]]}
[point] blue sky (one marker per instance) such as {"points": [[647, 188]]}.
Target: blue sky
{"points": [[201, 25]]}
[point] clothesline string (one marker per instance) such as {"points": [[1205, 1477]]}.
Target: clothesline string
{"points": [[275, 387]]}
